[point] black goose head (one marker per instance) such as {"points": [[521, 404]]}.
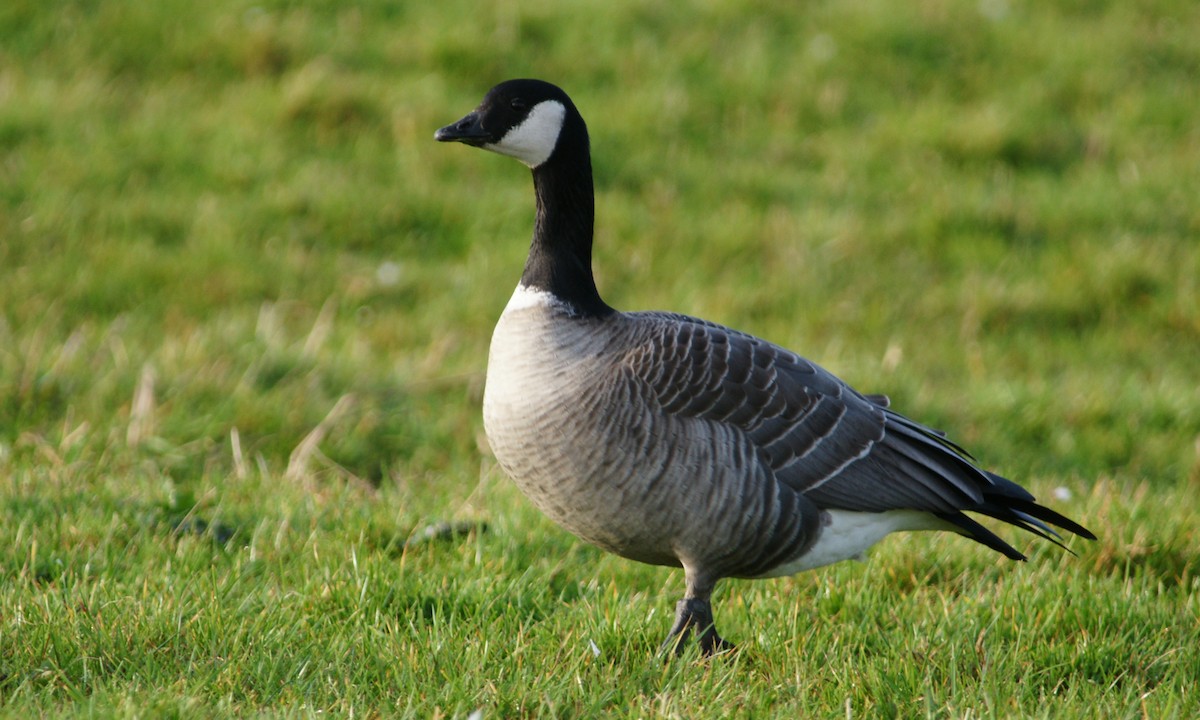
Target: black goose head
{"points": [[524, 119], [537, 123]]}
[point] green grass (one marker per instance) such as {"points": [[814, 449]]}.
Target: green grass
{"points": [[245, 302]]}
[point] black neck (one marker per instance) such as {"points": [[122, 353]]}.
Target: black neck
{"points": [[560, 257]]}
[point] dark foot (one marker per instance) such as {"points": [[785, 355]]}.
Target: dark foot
{"points": [[695, 615]]}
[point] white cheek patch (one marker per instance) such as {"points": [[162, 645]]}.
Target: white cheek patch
{"points": [[532, 141]]}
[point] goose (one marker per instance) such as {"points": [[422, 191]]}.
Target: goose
{"points": [[675, 441]]}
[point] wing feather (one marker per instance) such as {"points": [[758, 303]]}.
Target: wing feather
{"points": [[821, 438]]}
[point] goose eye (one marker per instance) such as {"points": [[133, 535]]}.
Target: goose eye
{"points": [[517, 104]]}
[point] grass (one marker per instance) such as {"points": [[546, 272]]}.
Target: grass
{"points": [[245, 304]]}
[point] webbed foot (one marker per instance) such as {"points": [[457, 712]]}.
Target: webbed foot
{"points": [[693, 615]]}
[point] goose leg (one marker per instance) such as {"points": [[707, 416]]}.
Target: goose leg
{"points": [[694, 614]]}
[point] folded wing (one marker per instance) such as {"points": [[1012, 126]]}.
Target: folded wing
{"points": [[839, 448]]}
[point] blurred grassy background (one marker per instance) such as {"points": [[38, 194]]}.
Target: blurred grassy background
{"points": [[239, 283], [245, 198]]}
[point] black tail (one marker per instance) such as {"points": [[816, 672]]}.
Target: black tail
{"points": [[1005, 500]]}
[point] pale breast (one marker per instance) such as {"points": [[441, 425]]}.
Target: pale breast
{"points": [[564, 429], [582, 435]]}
